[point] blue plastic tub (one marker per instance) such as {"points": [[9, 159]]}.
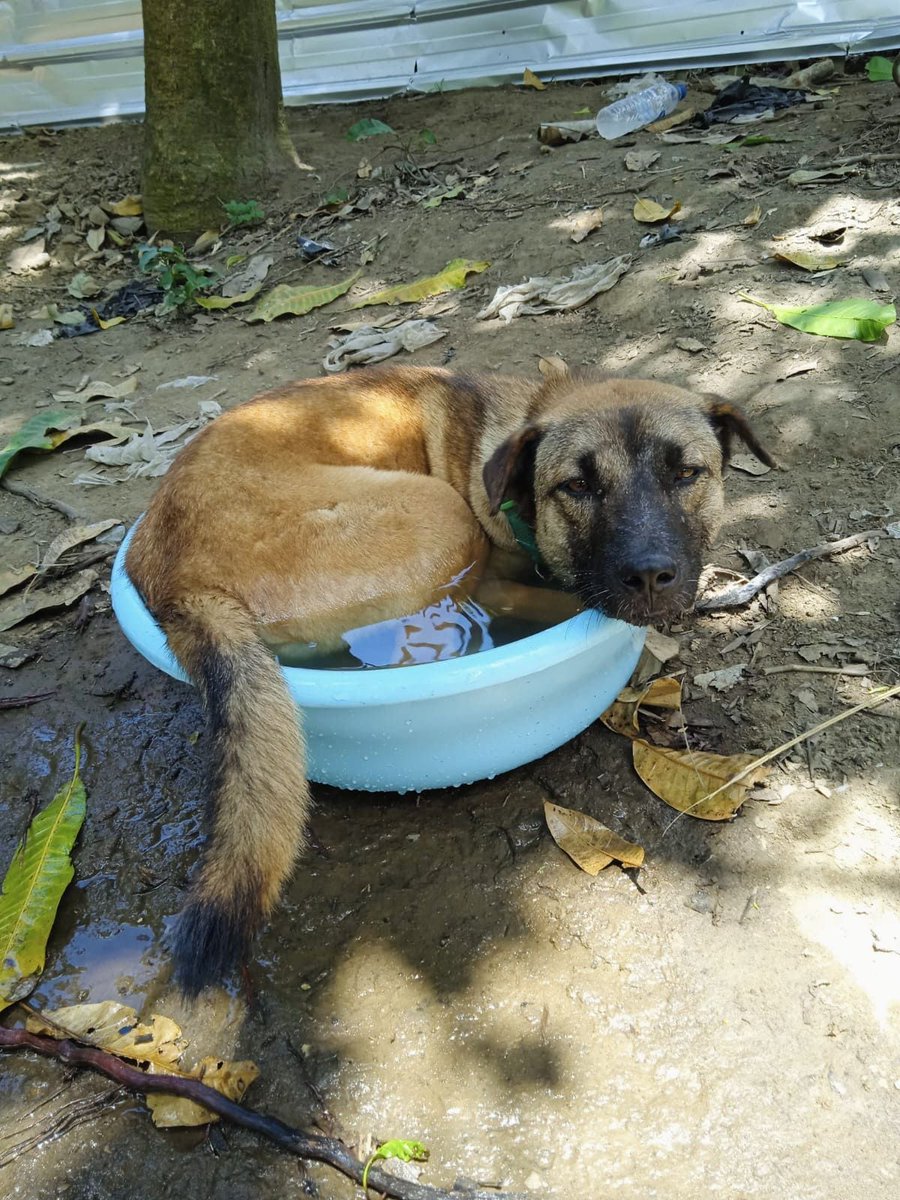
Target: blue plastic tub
{"points": [[437, 724]]}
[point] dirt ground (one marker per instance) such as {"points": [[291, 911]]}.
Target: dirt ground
{"points": [[726, 1023]]}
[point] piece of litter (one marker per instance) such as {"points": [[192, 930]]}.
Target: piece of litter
{"points": [[555, 294], [187, 381], [369, 345], [43, 337]]}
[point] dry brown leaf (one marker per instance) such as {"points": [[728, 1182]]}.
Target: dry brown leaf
{"points": [[13, 577], [661, 646], [74, 536], [159, 1043], [552, 364], [753, 216], [585, 223], [128, 206], [588, 842], [622, 716], [115, 1027], [669, 122], [20, 606], [809, 262], [230, 1078], [99, 389], [650, 211], [640, 160], [529, 79], [686, 779]]}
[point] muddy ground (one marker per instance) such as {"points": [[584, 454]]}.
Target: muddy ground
{"points": [[725, 1024]]}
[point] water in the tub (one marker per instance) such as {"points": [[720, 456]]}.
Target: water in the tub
{"points": [[454, 625]]}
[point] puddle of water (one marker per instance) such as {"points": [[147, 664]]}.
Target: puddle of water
{"points": [[103, 960]]}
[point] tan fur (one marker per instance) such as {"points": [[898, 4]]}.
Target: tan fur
{"points": [[333, 503]]}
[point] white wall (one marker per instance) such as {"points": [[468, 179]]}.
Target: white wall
{"points": [[78, 60]]}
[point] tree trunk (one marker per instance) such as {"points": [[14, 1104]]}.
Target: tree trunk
{"points": [[214, 128]]}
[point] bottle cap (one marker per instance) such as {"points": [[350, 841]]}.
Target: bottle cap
{"points": [[682, 90]]}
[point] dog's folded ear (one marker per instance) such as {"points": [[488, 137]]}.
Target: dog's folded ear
{"points": [[508, 473], [728, 419]]}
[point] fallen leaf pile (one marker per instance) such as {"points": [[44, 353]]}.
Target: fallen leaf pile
{"points": [[696, 783]]}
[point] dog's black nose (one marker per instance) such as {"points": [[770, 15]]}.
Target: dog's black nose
{"points": [[649, 576]]}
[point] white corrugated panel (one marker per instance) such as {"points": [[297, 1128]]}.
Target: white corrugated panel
{"points": [[79, 60]]}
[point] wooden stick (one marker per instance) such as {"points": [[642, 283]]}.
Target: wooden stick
{"points": [[810, 669], [7, 702], [27, 493], [305, 1145], [734, 596]]}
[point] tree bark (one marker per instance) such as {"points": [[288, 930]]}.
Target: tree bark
{"points": [[214, 129]]}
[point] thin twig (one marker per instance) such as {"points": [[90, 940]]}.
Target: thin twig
{"points": [[871, 702], [734, 596], [27, 493], [23, 701], [295, 1141], [866, 158], [810, 669], [72, 1114]]}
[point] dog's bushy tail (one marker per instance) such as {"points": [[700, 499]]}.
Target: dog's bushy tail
{"points": [[257, 791]]}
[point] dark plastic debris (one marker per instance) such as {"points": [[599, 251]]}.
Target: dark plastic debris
{"points": [[745, 99], [129, 300], [659, 237], [310, 249]]}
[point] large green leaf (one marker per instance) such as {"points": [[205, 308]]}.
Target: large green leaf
{"points": [[450, 279], [36, 434], [864, 320], [40, 872], [366, 128], [879, 69], [286, 298]]}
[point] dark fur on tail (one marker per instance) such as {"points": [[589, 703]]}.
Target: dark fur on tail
{"points": [[256, 787]]}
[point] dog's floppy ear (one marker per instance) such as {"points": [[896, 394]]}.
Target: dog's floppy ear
{"points": [[508, 470], [727, 420]]}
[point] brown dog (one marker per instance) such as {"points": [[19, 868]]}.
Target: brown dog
{"points": [[332, 503]]}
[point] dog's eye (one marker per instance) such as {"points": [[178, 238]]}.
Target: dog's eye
{"points": [[688, 474], [576, 487]]}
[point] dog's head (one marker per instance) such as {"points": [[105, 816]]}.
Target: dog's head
{"points": [[621, 480]]}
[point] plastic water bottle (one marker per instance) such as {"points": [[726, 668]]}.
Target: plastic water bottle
{"points": [[634, 112]]}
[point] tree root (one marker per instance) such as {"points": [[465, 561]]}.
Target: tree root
{"points": [[309, 1146]]}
